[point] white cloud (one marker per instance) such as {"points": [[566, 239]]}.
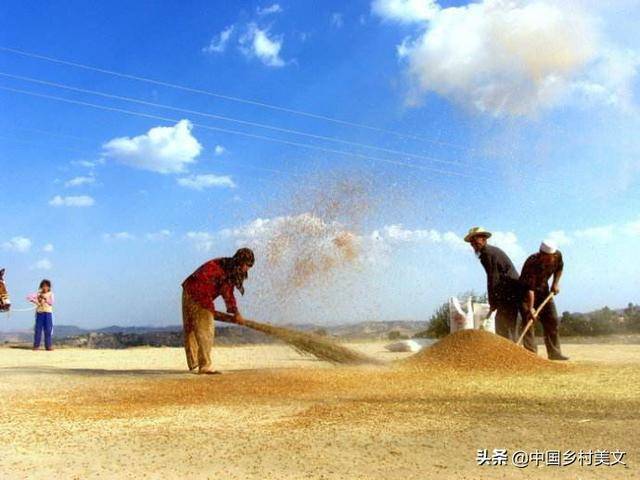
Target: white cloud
{"points": [[399, 233], [508, 241], [48, 247], [219, 150], [43, 264], [336, 20], [257, 43], [17, 244], [79, 181], [633, 228], [203, 241], [601, 234], [118, 236], [72, 201], [405, 11], [254, 229], [200, 182], [90, 164], [161, 149], [159, 235], [275, 8], [560, 238], [218, 43], [511, 57], [598, 234]]}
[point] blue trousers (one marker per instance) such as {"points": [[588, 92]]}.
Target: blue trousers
{"points": [[44, 322]]}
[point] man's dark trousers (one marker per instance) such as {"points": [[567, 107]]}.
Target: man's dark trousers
{"points": [[506, 320], [548, 317]]}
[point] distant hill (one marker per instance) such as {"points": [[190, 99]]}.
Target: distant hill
{"points": [[115, 336]]}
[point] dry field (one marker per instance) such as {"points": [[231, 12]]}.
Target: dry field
{"points": [[79, 414]]}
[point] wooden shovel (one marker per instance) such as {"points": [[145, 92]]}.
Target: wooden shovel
{"points": [[535, 317]]}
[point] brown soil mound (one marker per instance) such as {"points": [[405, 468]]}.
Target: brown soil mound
{"points": [[479, 350]]}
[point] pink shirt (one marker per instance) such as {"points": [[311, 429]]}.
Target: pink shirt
{"points": [[47, 305]]}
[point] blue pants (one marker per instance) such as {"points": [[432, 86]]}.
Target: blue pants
{"points": [[44, 321]]}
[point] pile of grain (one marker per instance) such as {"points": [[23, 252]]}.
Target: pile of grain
{"points": [[478, 350]]}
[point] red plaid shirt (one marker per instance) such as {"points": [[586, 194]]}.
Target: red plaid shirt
{"points": [[209, 282]]}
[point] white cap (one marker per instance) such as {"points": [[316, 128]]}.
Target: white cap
{"points": [[548, 247]]}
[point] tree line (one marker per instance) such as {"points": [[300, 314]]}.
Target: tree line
{"points": [[599, 322]]}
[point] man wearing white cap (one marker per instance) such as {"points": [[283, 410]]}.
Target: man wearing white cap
{"points": [[536, 272], [503, 285]]}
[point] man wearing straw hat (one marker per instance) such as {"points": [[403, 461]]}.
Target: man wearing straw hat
{"points": [[536, 272], [217, 277], [503, 286]]}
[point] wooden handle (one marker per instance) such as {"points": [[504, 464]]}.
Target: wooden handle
{"points": [[535, 316], [223, 317]]}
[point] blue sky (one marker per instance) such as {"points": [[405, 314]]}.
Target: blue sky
{"points": [[518, 116]]}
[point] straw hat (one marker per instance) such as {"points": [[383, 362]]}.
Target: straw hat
{"points": [[475, 232]]}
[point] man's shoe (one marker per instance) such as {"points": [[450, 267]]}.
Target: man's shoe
{"points": [[558, 357]]}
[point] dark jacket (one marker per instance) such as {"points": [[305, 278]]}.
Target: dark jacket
{"points": [[503, 285], [535, 274]]}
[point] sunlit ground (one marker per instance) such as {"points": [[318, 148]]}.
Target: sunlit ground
{"points": [[136, 413]]}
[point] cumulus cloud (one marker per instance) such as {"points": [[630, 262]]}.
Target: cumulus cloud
{"points": [[508, 241], [219, 150], [275, 8], [161, 149], [203, 241], [17, 244], [257, 43], [560, 238], [218, 43], [43, 264], [80, 181], [400, 234], [118, 236], [72, 201], [48, 247], [159, 235], [200, 182], [87, 163], [510, 57], [633, 228], [337, 20], [600, 234], [405, 11]]}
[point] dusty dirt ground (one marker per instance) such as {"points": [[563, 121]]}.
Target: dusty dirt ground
{"points": [[273, 414]]}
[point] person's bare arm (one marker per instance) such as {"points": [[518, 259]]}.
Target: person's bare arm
{"points": [[555, 286]]}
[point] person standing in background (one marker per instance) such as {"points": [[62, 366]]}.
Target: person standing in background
{"points": [[536, 273], [43, 301], [503, 282]]}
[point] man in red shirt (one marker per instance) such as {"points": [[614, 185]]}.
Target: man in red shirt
{"points": [[217, 277]]}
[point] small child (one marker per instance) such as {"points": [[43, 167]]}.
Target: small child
{"points": [[43, 300]]}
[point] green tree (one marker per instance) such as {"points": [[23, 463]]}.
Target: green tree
{"points": [[396, 335]]}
